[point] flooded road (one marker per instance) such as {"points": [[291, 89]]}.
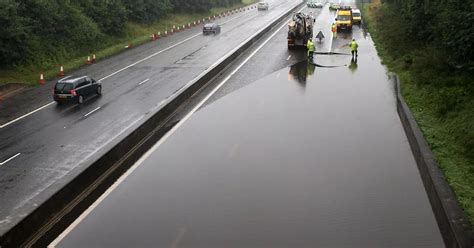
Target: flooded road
{"points": [[304, 156]]}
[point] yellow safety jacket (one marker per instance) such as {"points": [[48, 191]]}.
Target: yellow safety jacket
{"points": [[354, 45], [310, 46]]}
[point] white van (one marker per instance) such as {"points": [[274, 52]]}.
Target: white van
{"points": [[262, 6]]}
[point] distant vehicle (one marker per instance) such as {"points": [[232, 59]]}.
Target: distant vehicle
{"points": [[262, 6], [213, 28], [76, 89], [344, 19], [356, 16], [314, 4], [334, 6]]}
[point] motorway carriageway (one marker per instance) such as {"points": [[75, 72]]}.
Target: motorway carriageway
{"points": [[280, 153], [43, 151]]}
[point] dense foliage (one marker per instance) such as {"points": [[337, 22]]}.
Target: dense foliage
{"points": [[444, 26], [430, 45], [434, 41], [40, 32]]}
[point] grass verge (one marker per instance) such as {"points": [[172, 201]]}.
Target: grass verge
{"points": [[443, 107], [136, 34]]}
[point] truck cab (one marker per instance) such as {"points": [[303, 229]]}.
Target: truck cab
{"points": [[344, 18]]}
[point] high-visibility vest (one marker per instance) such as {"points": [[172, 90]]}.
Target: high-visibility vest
{"points": [[334, 28], [354, 45], [310, 46]]}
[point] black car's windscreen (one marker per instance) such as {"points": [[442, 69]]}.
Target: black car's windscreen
{"points": [[64, 86]]}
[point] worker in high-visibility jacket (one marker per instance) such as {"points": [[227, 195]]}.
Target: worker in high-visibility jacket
{"points": [[353, 45], [334, 29], [311, 48]]}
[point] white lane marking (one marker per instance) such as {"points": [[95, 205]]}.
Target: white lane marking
{"points": [[116, 72], [162, 51], [144, 81], [289, 57], [25, 115], [92, 111], [11, 158], [162, 140], [178, 239]]}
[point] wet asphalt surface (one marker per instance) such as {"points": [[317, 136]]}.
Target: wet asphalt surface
{"points": [[286, 154], [42, 151]]}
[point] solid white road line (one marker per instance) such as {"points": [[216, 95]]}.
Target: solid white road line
{"points": [[8, 160], [161, 141], [125, 68], [92, 111], [144, 81]]}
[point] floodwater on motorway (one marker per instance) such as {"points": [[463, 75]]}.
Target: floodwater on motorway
{"points": [[305, 157]]}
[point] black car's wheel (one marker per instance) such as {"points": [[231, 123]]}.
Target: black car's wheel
{"points": [[80, 99], [59, 102], [99, 90]]}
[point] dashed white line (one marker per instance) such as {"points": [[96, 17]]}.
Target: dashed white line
{"points": [[289, 57], [161, 141], [144, 81], [125, 68], [26, 115], [11, 158], [92, 111]]}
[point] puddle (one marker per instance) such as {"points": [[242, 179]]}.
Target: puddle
{"points": [[304, 157]]}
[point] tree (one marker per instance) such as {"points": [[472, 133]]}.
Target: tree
{"points": [[13, 34]]}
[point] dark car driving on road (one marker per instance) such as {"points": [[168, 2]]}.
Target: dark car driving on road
{"points": [[213, 28], [76, 89]]}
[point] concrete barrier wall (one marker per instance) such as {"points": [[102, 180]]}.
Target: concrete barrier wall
{"points": [[82, 188], [452, 221]]}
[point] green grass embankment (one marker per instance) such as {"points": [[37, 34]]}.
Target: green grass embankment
{"points": [[442, 103], [135, 33]]}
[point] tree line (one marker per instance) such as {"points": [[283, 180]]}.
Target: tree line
{"points": [[445, 28], [432, 44], [35, 31]]}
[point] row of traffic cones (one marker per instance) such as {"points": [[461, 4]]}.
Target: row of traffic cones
{"points": [[198, 22], [155, 36], [90, 60]]}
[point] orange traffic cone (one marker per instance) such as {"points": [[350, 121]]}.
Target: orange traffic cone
{"points": [[158, 35], [93, 58], [61, 71], [166, 33], [88, 61], [41, 80]]}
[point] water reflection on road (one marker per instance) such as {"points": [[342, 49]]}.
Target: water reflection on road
{"points": [[272, 165]]}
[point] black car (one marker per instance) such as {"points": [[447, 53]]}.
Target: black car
{"points": [[213, 28], [76, 89]]}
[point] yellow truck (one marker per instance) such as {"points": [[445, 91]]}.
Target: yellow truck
{"points": [[344, 18], [356, 16]]}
